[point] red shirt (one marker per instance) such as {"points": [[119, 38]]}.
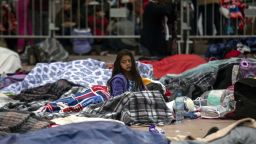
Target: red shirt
{"points": [[100, 26]]}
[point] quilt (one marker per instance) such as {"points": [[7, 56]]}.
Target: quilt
{"points": [[85, 73]]}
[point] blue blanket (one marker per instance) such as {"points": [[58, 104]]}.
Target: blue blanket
{"points": [[86, 73], [97, 132]]}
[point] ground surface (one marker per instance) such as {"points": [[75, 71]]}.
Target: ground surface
{"points": [[195, 128]]}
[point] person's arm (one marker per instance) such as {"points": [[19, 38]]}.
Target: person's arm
{"points": [[117, 87]]}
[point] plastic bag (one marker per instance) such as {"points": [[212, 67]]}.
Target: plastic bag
{"points": [[49, 50]]}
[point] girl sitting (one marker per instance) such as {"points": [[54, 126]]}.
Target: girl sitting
{"points": [[125, 75]]}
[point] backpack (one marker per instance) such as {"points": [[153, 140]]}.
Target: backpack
{"points": [[245, 97], [82, 45], [49, 50]]}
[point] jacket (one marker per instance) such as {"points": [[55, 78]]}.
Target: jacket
{"points": [[118, 85]]}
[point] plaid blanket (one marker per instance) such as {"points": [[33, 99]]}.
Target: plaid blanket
{"points": [[202, 78], [143, 107], [19, 122]]}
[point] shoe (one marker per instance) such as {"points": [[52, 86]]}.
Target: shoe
{"points": [[211, 131], [104, 53]]}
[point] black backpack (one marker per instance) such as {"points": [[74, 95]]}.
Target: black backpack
{"points": [[245, 97]]}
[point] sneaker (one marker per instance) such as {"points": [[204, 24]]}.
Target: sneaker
{"points": [[104, 53]]}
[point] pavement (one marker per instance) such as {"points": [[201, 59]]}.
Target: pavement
{"points": [[196, 128]]}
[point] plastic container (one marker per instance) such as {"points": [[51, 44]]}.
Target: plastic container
{"points": [[156, 130], [179, 107]]}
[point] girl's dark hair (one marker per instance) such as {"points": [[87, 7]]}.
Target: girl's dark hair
{"points": [[134, 71]]}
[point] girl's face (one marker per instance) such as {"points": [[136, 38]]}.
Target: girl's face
{"points": [[126, 63]]}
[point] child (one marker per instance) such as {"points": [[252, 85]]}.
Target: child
{"points": [[66, 21], [98, 22], [24, 24], [8, 25], [125, 75]]}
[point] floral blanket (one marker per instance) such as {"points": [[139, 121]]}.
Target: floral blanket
{"points": [[85, 72]]}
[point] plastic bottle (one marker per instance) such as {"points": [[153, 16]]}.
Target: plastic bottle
{"points": [[156, 130], [179, 107]]}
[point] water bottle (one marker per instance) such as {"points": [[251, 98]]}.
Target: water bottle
{"points": [[156, 130], [179, 107]]}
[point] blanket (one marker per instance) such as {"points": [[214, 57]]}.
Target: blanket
{"points": [[9, 62], [175, 64], [81, 72], [51, 91], [143, 107], [19, 122], [96, 132], [77, 101]]}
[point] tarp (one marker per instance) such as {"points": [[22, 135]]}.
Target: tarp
{"points": [[175, 64], [87, 133]]}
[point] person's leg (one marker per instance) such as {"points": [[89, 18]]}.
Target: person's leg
{"points": [[195, 17], [209, 19], [45, 21], [65, 42], [217, 18], [22, 8], [40, 25], [202, 10], [30, 30]]}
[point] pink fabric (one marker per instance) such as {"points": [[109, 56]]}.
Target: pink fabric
{"points": [[24, 24]]}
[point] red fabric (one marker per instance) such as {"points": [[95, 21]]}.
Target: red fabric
{"points": [[175, 64], [232, 53], [145, 2], [168, 93], [99, 23]]}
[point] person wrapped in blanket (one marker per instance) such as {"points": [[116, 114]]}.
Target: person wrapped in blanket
{"points": [[125, 77]]}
